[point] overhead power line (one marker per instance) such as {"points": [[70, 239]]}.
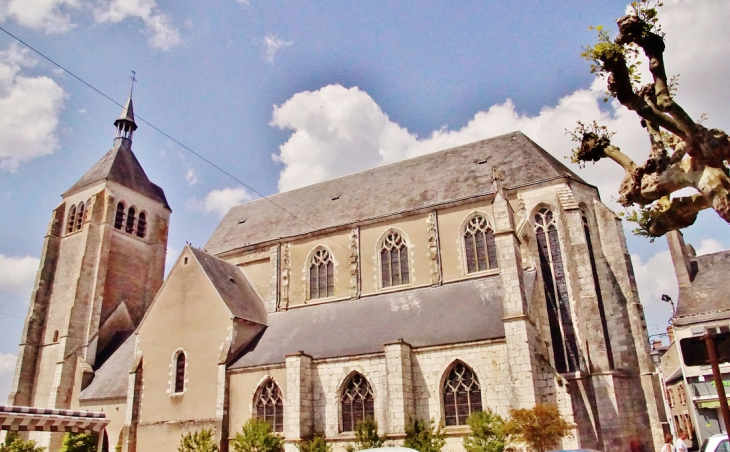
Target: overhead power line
{"points": [[89, 85]]}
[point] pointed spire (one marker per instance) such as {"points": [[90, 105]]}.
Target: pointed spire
{"points": [[125, 123]]}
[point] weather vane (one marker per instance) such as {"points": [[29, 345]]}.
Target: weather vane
{"points": [[134, 79]]}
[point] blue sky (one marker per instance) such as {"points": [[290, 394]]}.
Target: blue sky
{"points": [[283, 94]]}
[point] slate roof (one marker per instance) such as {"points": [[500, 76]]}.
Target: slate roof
{"points": [[111, 379], [708, 293], [453, 313], [233, 287], [121, 166], [429, 180]]}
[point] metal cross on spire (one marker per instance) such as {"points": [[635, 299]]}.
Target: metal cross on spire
{"points": [[134, 79]]}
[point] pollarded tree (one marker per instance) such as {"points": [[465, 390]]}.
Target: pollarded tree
{"points": [[683, 152], [541, 427]]}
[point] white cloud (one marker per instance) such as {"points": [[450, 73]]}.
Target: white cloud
{"points": [[32, 106], [162, 34], [219, 201], [191, 177], [273, 44], [337, 130], [7, 370], [50, 16], [57, 16], [654, 278], [709, 246], [17, 274]]}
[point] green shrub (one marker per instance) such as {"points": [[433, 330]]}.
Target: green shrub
{"points": [[316, 444], [366, 436], [80, 442], [198, 441], [14, 443], [256, 436], [423, 436], [487, 432]]}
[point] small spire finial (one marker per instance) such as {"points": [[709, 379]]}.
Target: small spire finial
{"points": [[134, 79]]}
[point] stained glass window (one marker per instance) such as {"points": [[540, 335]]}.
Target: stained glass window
{"points": [[358, 402], [394, 261]]}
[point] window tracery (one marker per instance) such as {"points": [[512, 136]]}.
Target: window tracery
{"points": [[394, 261], [562, 331], [479, 247], [270, 405], [462, 395], [321, 275], [358, 402]]}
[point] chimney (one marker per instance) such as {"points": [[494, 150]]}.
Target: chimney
{"points": [[670, 333], [681, 257]]}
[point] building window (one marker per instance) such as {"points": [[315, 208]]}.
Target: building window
{"points": [[481, 253], [562, 332], [597, 286], [141, 225], [119, 218], [71, 219], [80, 216], [55, 336], [180, 372], [394, 260], [462, 395], [321, 275], [130, 220], [358, 403], [270, 405]]}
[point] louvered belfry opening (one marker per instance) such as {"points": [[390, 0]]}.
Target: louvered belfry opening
{"points": [[141, 225], [597, 285], [462, 395], [562, 331], [119, 217], [131, 219], [80, 216], [71, 219], [394, 261], [358, 402], [481, 253], [180, 372], [270, 405], [321, 275]]}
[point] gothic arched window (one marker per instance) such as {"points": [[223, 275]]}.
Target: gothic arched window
{"points": [[119, 217], [358, 402], [321, 275], [481, 253], [71, 219], [180, 372], [80, 216], [270, 405], [562, 332], [597, 286], [141, 225], [130, 220], [394, 260], [462, 395]]}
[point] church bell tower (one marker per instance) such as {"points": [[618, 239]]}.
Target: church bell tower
{"points": [[103, 262]]}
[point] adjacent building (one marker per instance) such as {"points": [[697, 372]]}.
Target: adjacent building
{"points": [[703, 305], [483, 276]]}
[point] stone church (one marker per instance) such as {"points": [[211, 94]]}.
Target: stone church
{"points": [[483, 276]]}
